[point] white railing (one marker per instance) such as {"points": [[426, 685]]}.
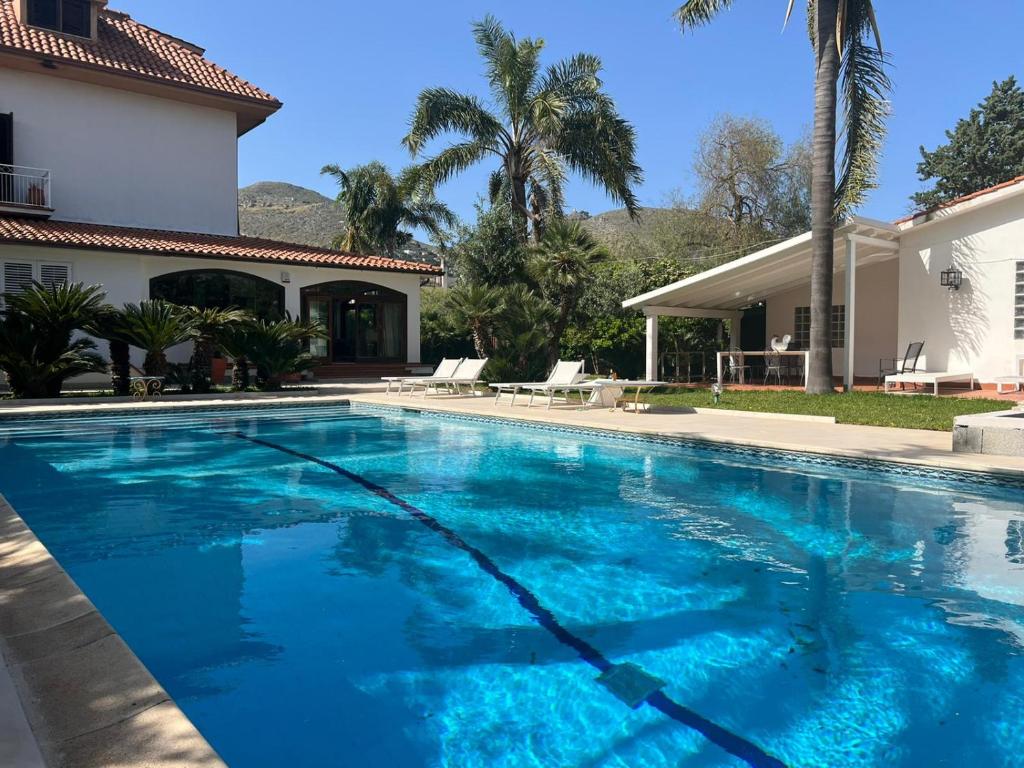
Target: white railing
{"points": [[26, 187]]}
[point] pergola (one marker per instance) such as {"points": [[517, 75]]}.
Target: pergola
{"points": [[725, 291]]}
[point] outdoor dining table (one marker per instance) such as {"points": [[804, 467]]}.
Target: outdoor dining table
{"points": [[740, 355]]}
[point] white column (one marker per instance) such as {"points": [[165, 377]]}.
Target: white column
{"points": [[652, 347], [851, 313]]}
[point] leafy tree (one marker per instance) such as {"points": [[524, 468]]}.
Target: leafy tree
{"points": [[207, 325], [848, 66], [379, 206], [546, 123], [490, 252], [154, 326], [747, 176], [562, 264], [986, 148], [37, 349]]}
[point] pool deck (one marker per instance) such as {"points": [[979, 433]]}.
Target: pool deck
{"points": [[73, 694]]}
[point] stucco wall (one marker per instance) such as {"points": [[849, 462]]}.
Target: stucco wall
{"points": [[877, 315], [970, 329], [125, 278], [124, 158]]}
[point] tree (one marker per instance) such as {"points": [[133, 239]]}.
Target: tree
{"points": [[276, 348], [845, 60], [562, 264], [378, 206], [207, 325], [488, 252], [986, 148], [546, 124], [38, 351], [154, 326], [747, 176], [477, 308]]}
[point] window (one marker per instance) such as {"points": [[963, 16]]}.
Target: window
{"points": [[802, 327], [72, 17], [19, 275], [7, 139], [1018, 322], [220, 288]]}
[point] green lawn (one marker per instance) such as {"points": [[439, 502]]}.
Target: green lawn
{"points": [[869, 408]]}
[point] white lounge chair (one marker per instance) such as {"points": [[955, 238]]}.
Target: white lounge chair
{"points": [[445, 369], [467, 374], [1014, 381], [929, 378], [566, 376]]}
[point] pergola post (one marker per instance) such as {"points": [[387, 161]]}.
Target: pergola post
{"points": [[652, 346], [849, 351]]}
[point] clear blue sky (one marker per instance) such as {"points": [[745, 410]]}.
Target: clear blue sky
{"points": [[348, 74]]}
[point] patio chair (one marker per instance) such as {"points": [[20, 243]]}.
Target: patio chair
{"points": [[445, 370], [772, 366], [466, 374], [894, 366], [734, 371], [562, 377]]}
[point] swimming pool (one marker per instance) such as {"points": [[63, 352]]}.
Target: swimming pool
{"points": [[371, 587]]}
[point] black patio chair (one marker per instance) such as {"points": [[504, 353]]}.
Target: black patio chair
{"points": [[892, 366]]}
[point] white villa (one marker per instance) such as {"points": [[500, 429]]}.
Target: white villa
{"points": [[952, 278], [118, 166]]}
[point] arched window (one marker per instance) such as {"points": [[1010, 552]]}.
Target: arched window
{"points": [[220, 288]]}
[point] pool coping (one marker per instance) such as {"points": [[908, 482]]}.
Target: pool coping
{"points": [[87, 698]]}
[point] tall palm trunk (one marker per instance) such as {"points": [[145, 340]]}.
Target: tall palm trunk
{"points": [[519, 203], [823, 188]]}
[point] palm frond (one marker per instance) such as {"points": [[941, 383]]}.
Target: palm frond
{"points": [[865, 87], [453, 160], [696, 13], [440, 110]]}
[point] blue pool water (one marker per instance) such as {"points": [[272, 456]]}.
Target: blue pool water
{"points": [[366, 587]]}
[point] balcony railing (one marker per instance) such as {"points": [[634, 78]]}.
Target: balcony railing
{"points": [[25, 188]]}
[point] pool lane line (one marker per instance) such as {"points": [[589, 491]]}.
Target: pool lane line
{"points": [[735, 745]]}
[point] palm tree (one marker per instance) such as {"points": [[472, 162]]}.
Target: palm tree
{"points": [[37, 349], [207, 325], [275, 347], [545, 123], [477, 307], [562, 263], [841, 33], [155, 326], [378, 206]]}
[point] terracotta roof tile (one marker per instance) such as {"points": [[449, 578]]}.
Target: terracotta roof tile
{"points": [[97, 237], [964, 199], [127, 47]]}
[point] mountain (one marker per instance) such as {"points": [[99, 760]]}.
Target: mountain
{"points": [[279, 211], [659, 232]]}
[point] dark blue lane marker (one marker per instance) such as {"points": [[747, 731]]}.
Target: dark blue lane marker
{"points": [[735, 745]]}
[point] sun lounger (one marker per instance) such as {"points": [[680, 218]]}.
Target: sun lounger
{"points": [[466, 375], [565, 376], [1014, 381], [929, 378], [446, 369]]}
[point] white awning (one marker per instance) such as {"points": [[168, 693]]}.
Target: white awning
{"points": [[748, 280]]}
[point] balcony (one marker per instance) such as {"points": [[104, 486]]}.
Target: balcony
{"points": [[25, 191]]}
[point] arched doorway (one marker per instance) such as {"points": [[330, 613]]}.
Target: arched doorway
{"points": [[220, 288], [365, 322]]}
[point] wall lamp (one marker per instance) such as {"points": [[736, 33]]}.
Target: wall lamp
{"points": [[951, 279]]}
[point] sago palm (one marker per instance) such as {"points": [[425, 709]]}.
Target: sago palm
{"points": [[477, 307], [276, 348], [544, 123], [155, 326], [207, 324], [849, 62], [562, 264], [38, 351], [379, 207]]}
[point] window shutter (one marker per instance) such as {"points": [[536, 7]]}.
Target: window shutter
{"points": [[17, 276], [7, 139], [51, 275]]}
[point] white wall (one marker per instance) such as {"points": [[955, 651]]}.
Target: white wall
{"points": [[877, 315], [970, 329], [125, 278], [124, 158]]}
